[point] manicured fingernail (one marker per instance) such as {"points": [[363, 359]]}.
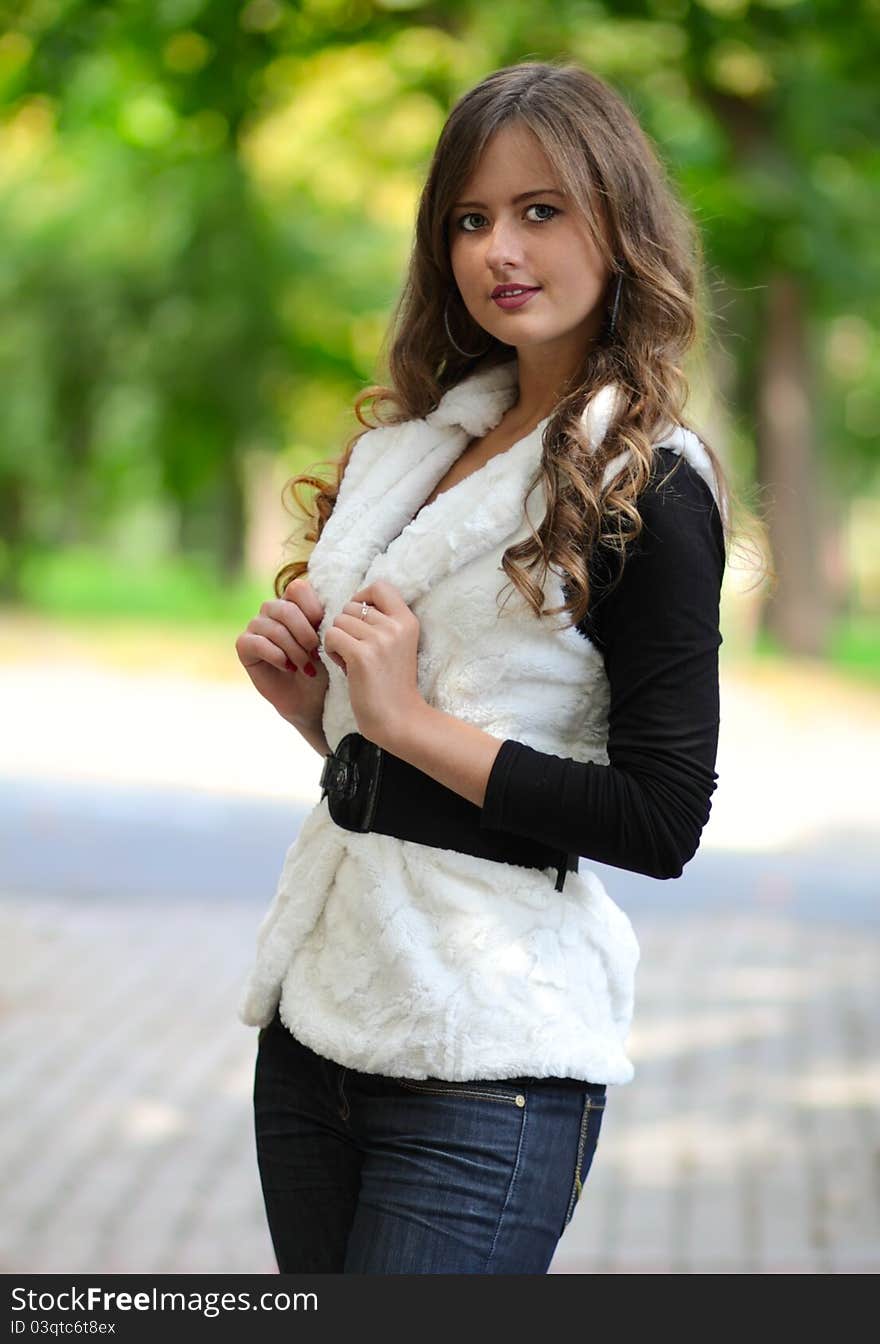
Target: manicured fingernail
{"points": [[309, 670], [291, 667]]}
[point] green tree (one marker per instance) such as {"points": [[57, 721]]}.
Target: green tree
{"points": [[205, 211]]}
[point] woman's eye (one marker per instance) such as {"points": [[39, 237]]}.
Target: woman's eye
{"points": [[472, 215], [536, 205], [542, 205]]}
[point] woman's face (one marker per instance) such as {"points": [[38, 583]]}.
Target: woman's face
{"points": [[497, 240]]}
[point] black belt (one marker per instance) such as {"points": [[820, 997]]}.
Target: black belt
{"points": [[371, 790]]}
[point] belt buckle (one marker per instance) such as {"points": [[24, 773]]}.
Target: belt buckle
{"points": [[350, 776], [339, 777]]}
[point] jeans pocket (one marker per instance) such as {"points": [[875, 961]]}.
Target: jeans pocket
{"points": [[441, 1087], [588, 1137]]}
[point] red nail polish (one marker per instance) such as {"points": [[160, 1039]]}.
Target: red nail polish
{"points": [[309, 670]]}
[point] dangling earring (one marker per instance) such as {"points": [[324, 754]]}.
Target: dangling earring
{"points": [[466, 353], [616, 305]]}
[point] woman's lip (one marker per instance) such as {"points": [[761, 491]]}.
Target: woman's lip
{"points": [[515, 300]]}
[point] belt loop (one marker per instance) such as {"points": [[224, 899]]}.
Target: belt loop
{"points": [[567, 864], [325, 775]]}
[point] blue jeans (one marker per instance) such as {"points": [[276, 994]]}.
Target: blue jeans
{"points": [[367, 1174]]}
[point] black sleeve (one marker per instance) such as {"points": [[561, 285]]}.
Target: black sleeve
{"points": [[658, 630]]}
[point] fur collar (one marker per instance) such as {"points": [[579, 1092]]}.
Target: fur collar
{"points": [[373, 532]]}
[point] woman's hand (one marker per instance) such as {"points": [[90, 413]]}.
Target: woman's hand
{"points": [[379, 655], [278, 648]]}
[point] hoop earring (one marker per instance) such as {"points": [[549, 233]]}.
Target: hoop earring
{"points": [[467, 353], [616, 305]]}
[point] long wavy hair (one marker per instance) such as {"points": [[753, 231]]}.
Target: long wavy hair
{"points": [[615, 180]]}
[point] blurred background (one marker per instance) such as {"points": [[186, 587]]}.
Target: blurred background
{"points": [[206, 210]]}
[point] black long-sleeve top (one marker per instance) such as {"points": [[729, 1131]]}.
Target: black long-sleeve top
{"points": [[657, 628]]}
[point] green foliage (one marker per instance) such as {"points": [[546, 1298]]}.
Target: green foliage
{"points": [[79, 582], [853, 647], [206, 209]]}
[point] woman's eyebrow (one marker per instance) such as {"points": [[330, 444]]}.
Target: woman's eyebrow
{"points": [[539, 191]]}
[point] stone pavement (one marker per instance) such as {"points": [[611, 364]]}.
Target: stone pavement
{"points": [[747, 1143]]}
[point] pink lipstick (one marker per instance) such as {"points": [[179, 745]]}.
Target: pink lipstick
{"points": [[514, 296]]}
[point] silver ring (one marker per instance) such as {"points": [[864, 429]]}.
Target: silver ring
{"points": [[364, 609]]}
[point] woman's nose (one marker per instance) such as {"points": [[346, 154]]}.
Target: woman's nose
{"points": [[502, 247]]}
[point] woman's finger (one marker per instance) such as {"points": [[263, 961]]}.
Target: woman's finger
{"points": [[254, 648], [340, 646], [301, 592], [294, 619], [384, 596], [374, 616], [353, 626], [280, 635]]}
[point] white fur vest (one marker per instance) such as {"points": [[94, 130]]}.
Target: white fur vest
{"points": [[397, 958]]}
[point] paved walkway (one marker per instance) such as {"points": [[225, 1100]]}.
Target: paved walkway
{"points": [[748, 1142]]}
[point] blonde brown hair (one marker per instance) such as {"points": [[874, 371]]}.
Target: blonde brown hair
{"points": [[610, 171]]}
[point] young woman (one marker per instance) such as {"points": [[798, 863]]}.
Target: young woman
{"points": [[444, 995]]}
